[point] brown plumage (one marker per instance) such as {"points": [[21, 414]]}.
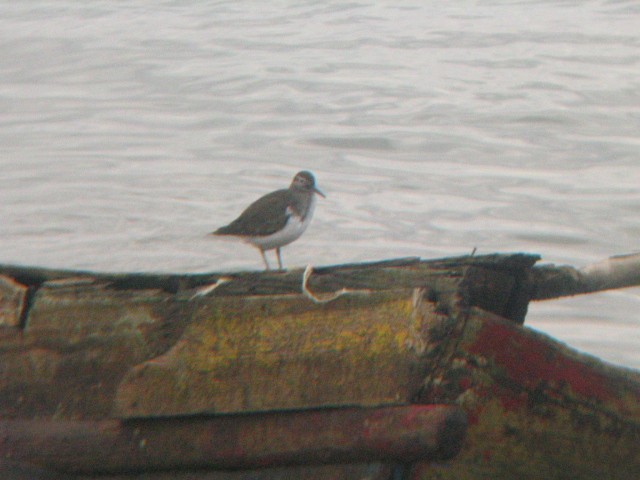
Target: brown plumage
{"points": [[278, 218]]}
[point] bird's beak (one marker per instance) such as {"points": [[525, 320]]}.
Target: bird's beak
{"points": [[319, 192]]}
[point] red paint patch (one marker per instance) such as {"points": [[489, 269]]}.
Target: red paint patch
{"points": [[465, 383], [473, 416], [514, 402], [413, 414], [530, 361]]}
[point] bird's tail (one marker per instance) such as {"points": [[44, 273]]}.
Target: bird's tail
{"points": [[221, 231]]}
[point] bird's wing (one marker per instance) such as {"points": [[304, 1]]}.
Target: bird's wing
{"points": [[263, 217]]}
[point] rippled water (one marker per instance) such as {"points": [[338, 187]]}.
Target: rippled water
{"points": [[130, 130]]}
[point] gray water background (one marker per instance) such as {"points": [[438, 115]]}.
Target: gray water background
{"points": [[129, 130]]}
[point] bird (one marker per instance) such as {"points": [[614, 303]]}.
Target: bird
{"points": [[277, 218]]}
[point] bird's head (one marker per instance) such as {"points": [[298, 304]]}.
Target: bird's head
{"points": [[305, 181]]}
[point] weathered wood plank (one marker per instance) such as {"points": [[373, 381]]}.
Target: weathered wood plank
{"points": [[535, 405], [401, 434], [389, 274], [273, 352], [551, 281]]}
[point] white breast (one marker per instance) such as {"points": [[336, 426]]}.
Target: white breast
{"points": [[294, 227]]}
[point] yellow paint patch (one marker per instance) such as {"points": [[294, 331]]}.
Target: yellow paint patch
{"points": [[279, 352]]}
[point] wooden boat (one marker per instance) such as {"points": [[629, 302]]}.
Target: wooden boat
{"points": [[404, 368]]}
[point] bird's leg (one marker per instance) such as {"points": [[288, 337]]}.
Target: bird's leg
{"points": [[279, 258], [264, 259]]}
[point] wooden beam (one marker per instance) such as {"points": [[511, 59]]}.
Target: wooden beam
{"points": [[551, 281], [326, 436]]}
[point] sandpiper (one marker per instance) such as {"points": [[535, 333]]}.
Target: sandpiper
{"points": [[278, 218]]}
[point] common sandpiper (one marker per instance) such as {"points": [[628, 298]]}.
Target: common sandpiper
{"points": [[278, 218]]}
